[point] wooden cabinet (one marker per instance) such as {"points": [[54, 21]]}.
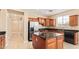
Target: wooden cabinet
{"points": [[38, 43], [47, 21], [52, 22], [73, 20], [34, 41], [76, 38], [49, 43], [60, 41], [42, 21], [33, 19], [2, 41]]}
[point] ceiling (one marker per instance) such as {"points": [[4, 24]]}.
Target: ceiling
{"points": [[46, 12]]}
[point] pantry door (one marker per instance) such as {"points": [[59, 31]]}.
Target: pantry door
{"points": [[16, 30]]}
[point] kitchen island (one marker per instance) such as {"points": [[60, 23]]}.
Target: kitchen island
{"points": [[47, 40]]}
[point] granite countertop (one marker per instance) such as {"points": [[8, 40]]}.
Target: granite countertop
{"points": [[47, 35], [2, 32], [63, 29]]}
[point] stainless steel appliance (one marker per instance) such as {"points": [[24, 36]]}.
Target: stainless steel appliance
{"points": [[32, 27]]}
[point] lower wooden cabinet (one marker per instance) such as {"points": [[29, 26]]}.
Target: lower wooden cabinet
{"points": [[51, 43], [38, 43], [76, 38], [2, 41], [60, 41], [34, 41]]}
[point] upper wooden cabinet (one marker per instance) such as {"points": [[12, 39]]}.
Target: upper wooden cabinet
{"points": [[47, 22], [73, 20], [42, 21], [52, 22], [33, 19]]}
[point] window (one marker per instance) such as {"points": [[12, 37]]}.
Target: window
{"points": [[65, 20], [62, 20], [59, 20]]}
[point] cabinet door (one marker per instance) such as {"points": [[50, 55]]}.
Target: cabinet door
{"points": [[39, 20], [0, 42], [52, 22], [60, 42], [51, 43], [52, 46], [47, 22], [40, 43], [76, 38], [34, 41], [73, 20], [42, 21], [3, 41]]}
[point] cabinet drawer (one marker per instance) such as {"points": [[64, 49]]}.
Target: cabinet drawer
{"points": [[50, 40]]}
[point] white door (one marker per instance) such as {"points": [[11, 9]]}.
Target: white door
{"points": [[16, 31]]}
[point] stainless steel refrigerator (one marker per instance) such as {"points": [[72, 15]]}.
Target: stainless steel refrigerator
{"points": [[32, 27]]}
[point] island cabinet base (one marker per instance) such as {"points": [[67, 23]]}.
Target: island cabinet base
{"points": [[37, 42], [55, 43], [49, 43]]}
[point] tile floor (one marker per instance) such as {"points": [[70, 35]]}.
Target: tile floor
{"points": [[70, 46], [29, 46], [66, 46]]}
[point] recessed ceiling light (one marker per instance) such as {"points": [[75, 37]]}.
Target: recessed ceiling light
{"points": [[50, 10]]}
